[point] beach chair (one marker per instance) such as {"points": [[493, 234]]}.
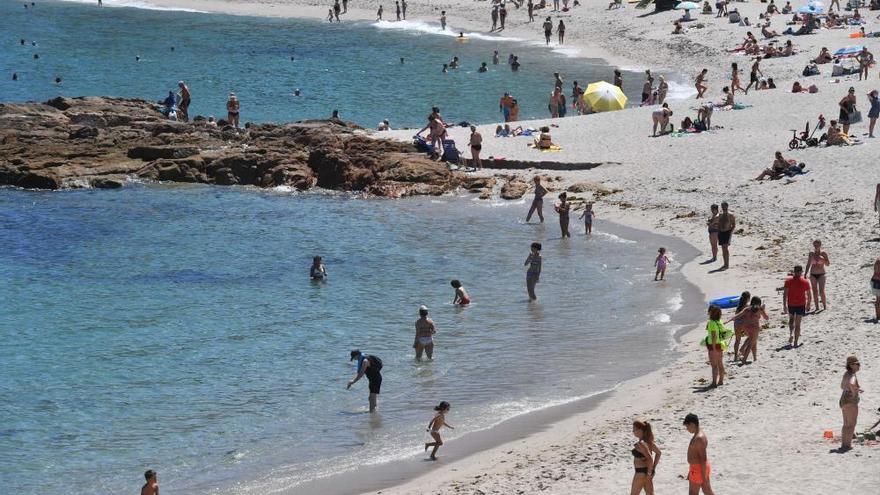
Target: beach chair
{"points": [[451, 154]]}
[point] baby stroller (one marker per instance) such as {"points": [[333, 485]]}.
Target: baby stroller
{"points": [[804, 140]]}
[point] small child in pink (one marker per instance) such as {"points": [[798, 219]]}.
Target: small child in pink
{"points": [[661, 262]]}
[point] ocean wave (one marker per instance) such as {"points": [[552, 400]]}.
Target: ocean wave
{"points": [[615, 238], [135, 4], [432, 28], [661, 318], [676, 302]]}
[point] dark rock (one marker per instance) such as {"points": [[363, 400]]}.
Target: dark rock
{"points": [[37, 181], [107, 183], [149, 153], [514, 189], [83, 133]]}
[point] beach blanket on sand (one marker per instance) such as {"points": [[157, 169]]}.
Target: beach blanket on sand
{"points": [[738, 106], [551, 149]]}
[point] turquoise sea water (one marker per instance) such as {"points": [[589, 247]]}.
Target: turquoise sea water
{"points": [[175, 328], [353, 66]]}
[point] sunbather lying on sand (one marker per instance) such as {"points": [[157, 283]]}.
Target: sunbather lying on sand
{"points": [[781, 168], [768, 33]]}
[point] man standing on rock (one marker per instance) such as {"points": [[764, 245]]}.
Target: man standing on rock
{"points": [[726, 225], [183, 106]]}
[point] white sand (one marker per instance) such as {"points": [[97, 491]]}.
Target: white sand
{"points": [[765, 424]]}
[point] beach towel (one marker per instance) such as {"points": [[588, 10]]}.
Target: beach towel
{"points": [[551, 149]]}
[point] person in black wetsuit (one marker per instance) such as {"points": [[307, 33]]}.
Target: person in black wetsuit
{"points": [[371, 366]]}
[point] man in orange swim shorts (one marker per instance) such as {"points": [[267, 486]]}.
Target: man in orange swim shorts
{"points": [[699, 472]]}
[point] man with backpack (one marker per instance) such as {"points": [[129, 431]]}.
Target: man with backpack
{"points": [[371, 366]]}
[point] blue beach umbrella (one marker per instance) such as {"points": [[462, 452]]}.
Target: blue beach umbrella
{"points": [[687, 6], [812, 9], [848, 51]]}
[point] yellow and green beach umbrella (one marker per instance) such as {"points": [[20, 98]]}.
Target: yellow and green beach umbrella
{"points": [[604, 97]]}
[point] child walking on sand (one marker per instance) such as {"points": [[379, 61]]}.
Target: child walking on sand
{"points": [[587, 215], [661, 262], [461, 296], [434, 426]]}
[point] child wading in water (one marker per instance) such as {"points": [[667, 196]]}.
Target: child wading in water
{"points": [[563, 208], [661, 262], [461, 296], [534, 271], [434, 426], [587, 215]]}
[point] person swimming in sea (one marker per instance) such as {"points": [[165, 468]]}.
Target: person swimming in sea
{"points": [[318, 271], [434, 426], [483, 68], [461, 296], [454, 63]]}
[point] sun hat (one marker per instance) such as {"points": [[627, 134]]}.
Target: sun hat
{"points": [[423, 308]]}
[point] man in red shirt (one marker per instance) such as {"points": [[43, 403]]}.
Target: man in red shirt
{"points": [[796, 302]]}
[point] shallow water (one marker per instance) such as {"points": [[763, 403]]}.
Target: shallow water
{"points": [[175, 328], [353, 67]]}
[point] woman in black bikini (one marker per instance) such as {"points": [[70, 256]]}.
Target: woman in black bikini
{"points": [[646, 456], [816, 263]]}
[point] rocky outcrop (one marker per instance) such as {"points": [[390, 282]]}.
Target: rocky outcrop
{"points": [[73, 142], [514, 189]]}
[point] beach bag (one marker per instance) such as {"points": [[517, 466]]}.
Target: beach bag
{"points": [[733, 17], [811, 70], [855, 117]]}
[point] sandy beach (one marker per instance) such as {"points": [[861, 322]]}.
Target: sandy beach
{"points": [[766, 424]]}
